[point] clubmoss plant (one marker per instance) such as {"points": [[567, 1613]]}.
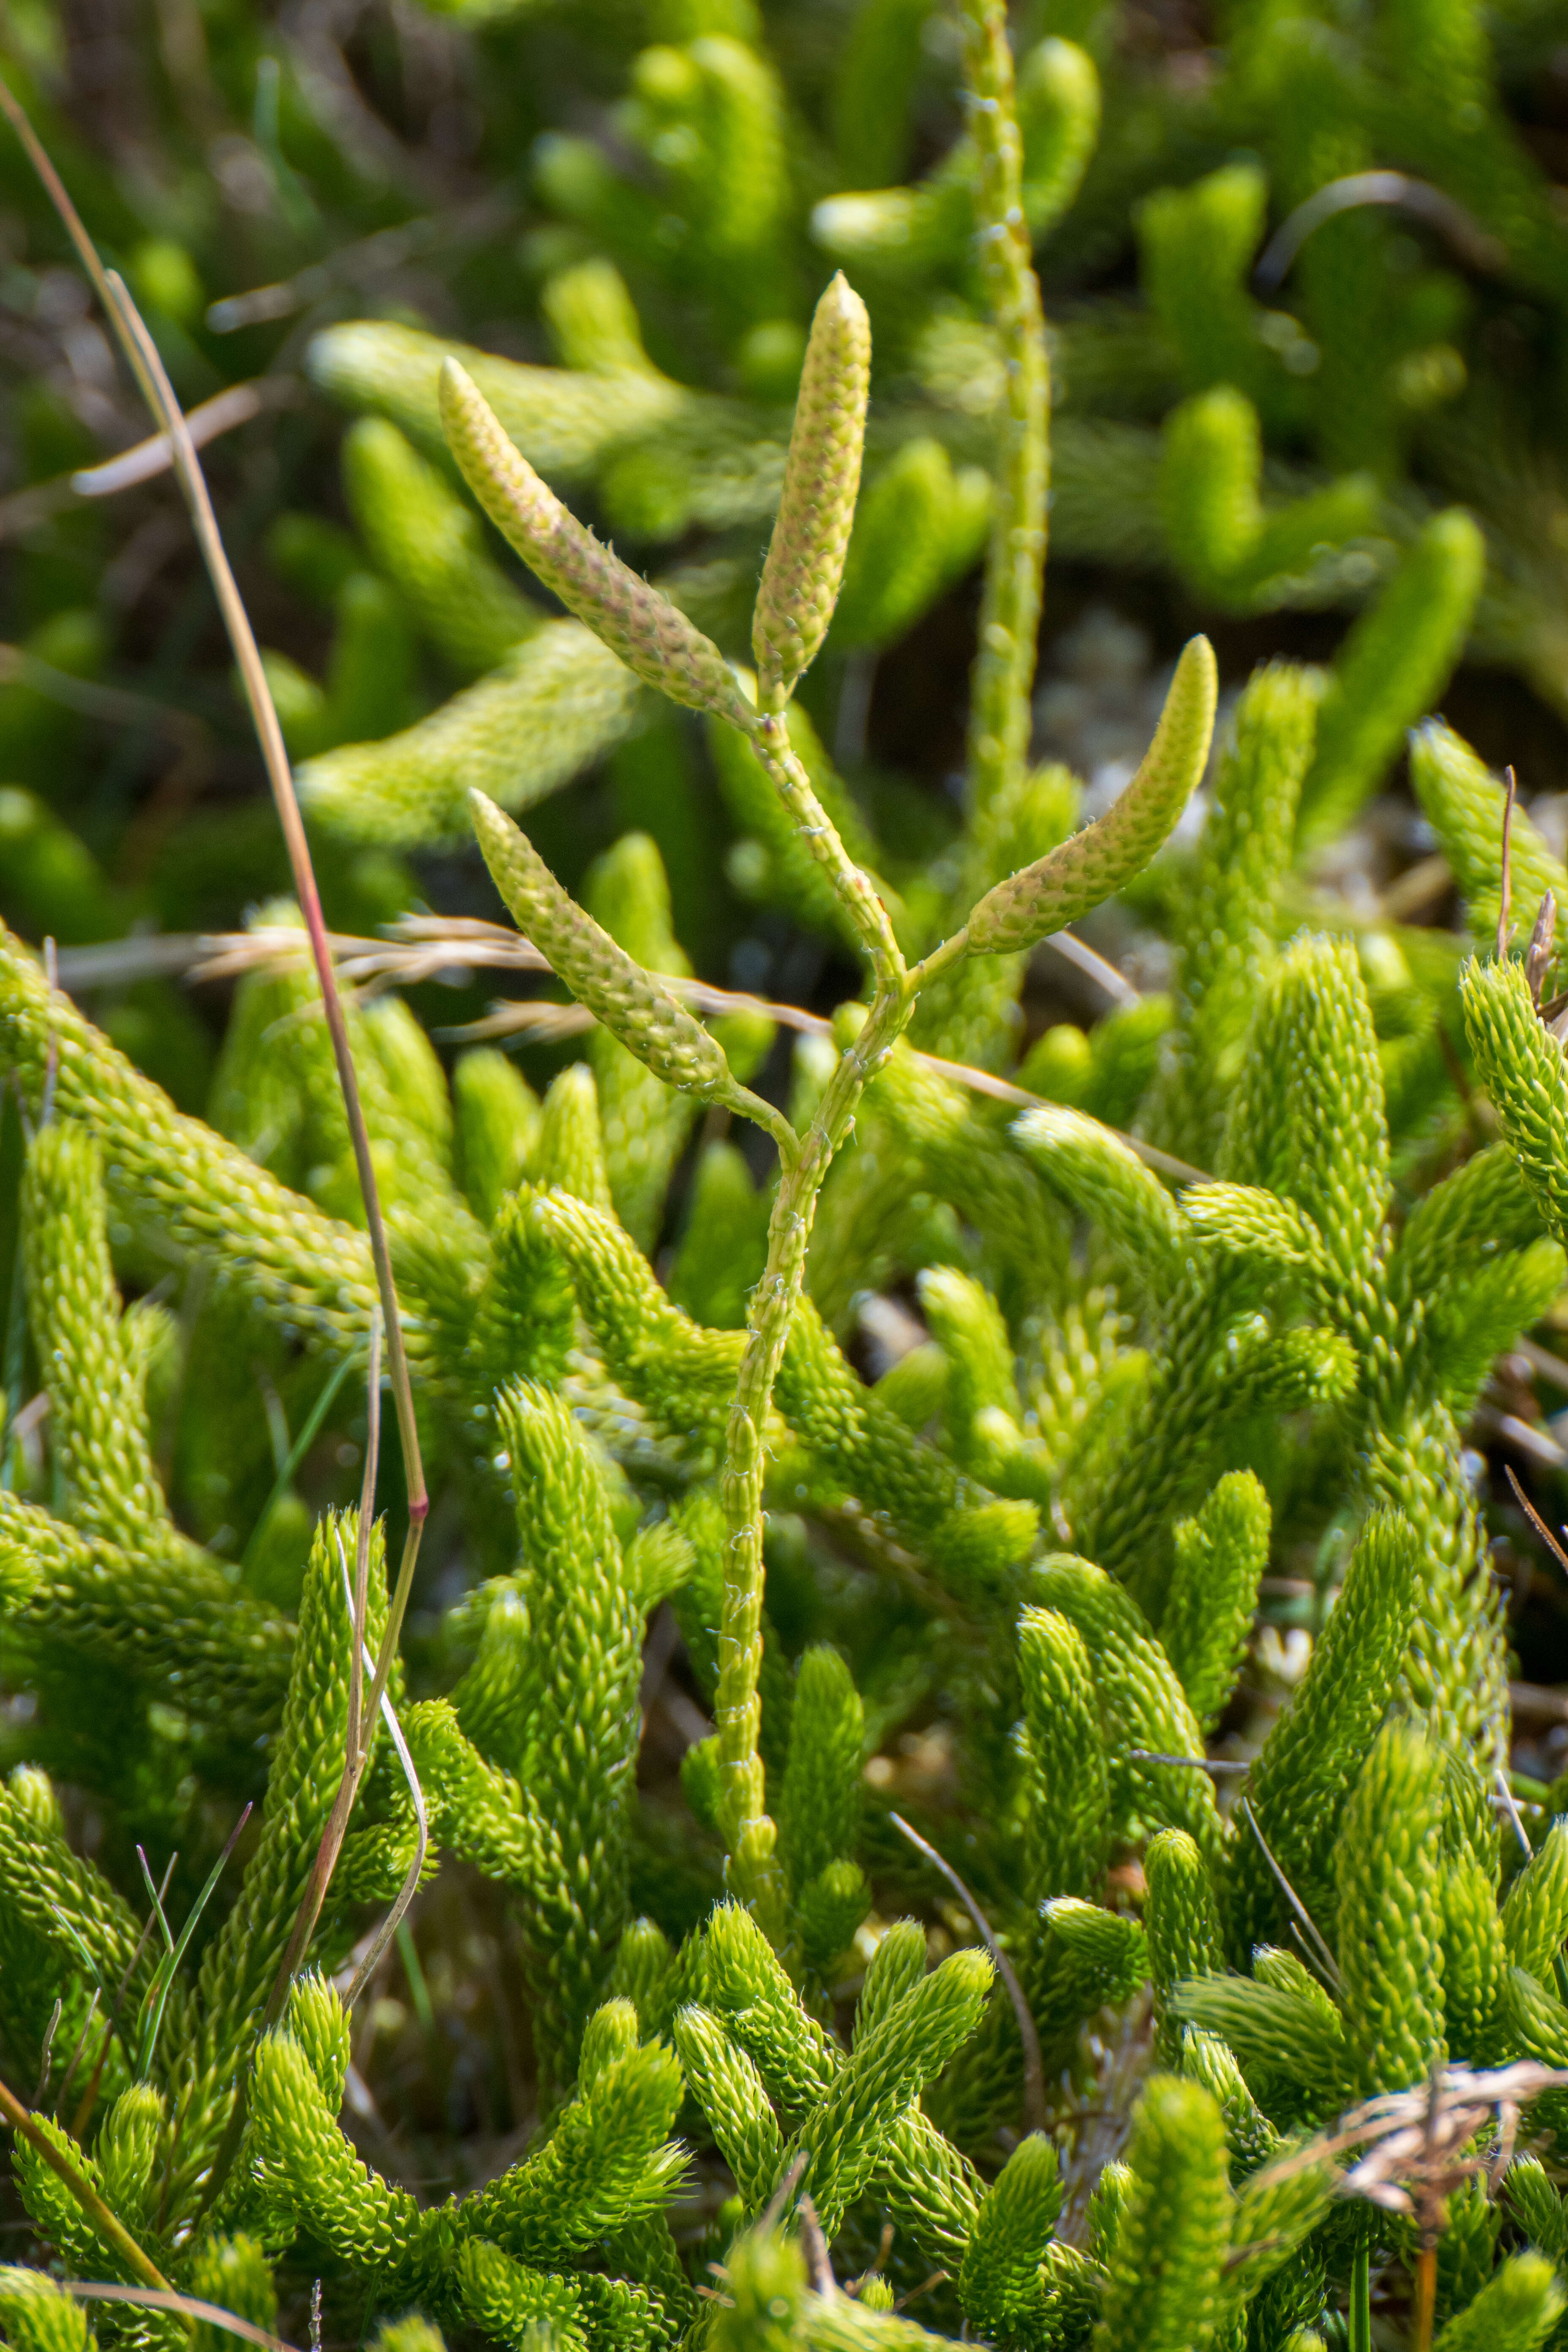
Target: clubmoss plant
{"points": [[1207, 1297]]}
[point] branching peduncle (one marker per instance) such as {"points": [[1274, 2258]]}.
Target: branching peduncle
{"points": [[998, 746], [770, 739], [795, 605], [749, 1832]]}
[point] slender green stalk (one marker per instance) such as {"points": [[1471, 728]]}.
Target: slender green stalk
{"points": [[738, 1712], [1361, 2295], [805, 1165], [770, 737], [1010, 606]]}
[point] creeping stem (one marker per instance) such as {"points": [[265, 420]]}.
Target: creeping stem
{"points": [[1004, 672]]}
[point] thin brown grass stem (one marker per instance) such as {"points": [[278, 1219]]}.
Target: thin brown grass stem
{"points": [[410, 1887], [1034, 2065], [361, 1597], [47, 2058], [109, 2227], [143, 357], [1425, 2299], [1536, 1521], [770, 2219], [76, 2057], [189, 2307], [1511, 1807], [815, 2244], [1316, 1943], [1216, 1767], [270, 735]]}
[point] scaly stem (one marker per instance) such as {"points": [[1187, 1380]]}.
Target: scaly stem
{"points": [[770, 739], [804, 1165], [749, 1831], [1004, 674]]}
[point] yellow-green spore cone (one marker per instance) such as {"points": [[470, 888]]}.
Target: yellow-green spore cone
{"points": [[652, 637], [822, 480], [616, 989], [1105, 855]]}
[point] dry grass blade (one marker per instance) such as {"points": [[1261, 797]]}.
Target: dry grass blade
{"points": [[142, 354], [1536, 1521], [146, 364], [541, 1023], [111, 704], [49, 2032], [1033, 2066], [1217, 1767], [360, 1599], [238, 404], [1511, 1807], [425, 947], [410, 1887], [1439, 2116], [1320, 1951], [189, 2307], [1505, 901], [1542, 948], [271, 737], [784, 2192], [372, 1957], [69, 2075], [816, 2245], [1418, 197], [108, 2224]]}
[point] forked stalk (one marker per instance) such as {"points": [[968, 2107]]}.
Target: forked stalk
{"points": [[738, 1712], [799, 585], [794, 604]]}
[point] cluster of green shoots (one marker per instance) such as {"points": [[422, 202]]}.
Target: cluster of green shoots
{"points": [[1218, 1283]]}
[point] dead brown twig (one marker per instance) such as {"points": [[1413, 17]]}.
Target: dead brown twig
{"points": [[188, 2306], [1417, 2152], [425, 947], [1408, 2134]]}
